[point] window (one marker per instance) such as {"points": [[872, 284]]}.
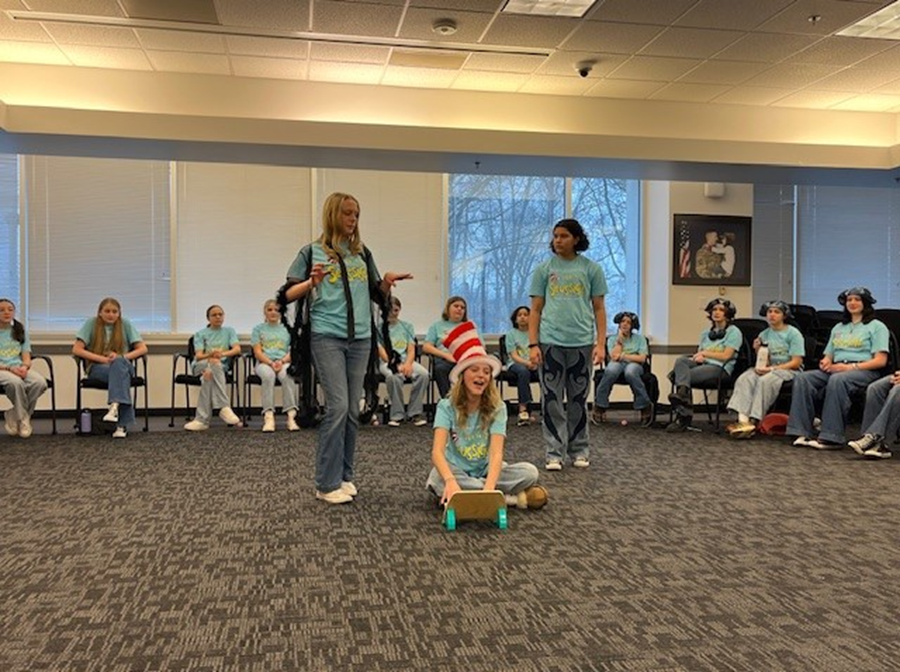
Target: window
{"points": [[500, 229], [9, 230], [97, 228]]}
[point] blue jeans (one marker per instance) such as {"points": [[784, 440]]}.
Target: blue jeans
{"points": [[117, 378], [633, 372], [833, 392], [341, 369], [513, 479], [524, 378], [882, 414], [289, 391]]}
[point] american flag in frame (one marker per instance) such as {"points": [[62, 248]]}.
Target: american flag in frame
{"points": [[711, 250]]}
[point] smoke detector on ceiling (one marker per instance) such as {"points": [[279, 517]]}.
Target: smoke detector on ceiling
{"points": [[444, 27]]}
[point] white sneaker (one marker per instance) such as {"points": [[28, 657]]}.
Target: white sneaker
{"points": [[524, 419], [292, 425], [120, 433], [553, 465], [12, 425], [419, 420], [334, 497], [25, 429], [229, 416], [268, 422], [348, 488], [112, 415], [581, 462], [804, 442], [393, 423], [196, 426]]}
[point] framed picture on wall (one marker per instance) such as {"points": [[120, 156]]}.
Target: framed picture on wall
{"points": [[711, 250]]}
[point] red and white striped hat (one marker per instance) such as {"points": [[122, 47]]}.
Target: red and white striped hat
{"points": [[467, 349]]}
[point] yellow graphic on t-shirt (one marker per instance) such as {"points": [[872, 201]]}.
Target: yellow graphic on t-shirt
{"points": [[564, 285], [11, 352], [848, 342], [477, 450], [354, 274]]}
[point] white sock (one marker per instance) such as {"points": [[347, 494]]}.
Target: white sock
{"points": [[743, 418]]}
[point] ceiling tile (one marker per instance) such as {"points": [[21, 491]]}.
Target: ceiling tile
{"points": [[287, 15], [358, 73], [22, 31], [871, 102], [349, 53], [511, 63], [12, 4], [180, 61], [557, 86], [723, 72], [838, 50], [624, 88], [835, 14], [656, 12], [262, 46], [115, 58], [752, 95], [88, 7], [793, 76], [616, 38], [422, 58], [418, 22], [734, 14], [425, 78], [489, 81], [566, 62], [364, 19], [268, 68], [690, 42], [858, 79], [812, 99], [32, 52], [693, 93], [100, 36], [174, 40], [654, 68], [765, 47], [492, 6], [529, 31]]}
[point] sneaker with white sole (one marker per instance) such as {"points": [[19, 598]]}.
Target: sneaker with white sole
{"points": [[553, 465], [581, 462], [348, 488], [394, 423], [229, 416], [268, 421], [25, 429], [112, 415], [879, 451], [820, 444], [120, 433], [12, 425], [292, 425], [803, 442], [598, 416], [866, 441], [334, 497], [196, 426], [419, 420], [523, 419]]}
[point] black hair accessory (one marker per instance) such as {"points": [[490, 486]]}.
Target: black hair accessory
{"points": [[730, 310], [777, 303], [862, 292], [635, 322]]}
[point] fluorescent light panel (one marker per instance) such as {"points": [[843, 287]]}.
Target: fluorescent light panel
{"points": [[576, 8], [883, 24]]}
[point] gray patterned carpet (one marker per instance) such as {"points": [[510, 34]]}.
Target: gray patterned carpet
{"points": [[170, 551]]}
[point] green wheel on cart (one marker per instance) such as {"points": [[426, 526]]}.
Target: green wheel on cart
{"points": [[501, 519], [450, 519]]}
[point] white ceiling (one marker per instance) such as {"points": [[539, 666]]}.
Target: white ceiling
{"points": [[763, 53]]}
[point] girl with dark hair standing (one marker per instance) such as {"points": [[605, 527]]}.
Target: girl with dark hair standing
{"points": [[567, 331], [22, 385], [109, 344]]}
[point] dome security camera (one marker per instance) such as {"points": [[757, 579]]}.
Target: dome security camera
{"points": [[584, 68]]}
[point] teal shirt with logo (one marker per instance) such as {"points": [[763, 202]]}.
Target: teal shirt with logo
{"points": [[733, 339], [783, 345], [223, 338], [273, 338], [402, 334], [438, 331], [857, 342], [568, 288], [86, 333], [467, 447], [10, 349], [517, 342], [636, 344]]}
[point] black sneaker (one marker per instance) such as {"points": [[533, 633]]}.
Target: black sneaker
{"points": [[679, 424], [681, 397], [865, 442]]}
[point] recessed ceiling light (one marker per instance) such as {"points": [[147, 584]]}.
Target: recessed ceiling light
{"points": [[883, 24], [576, 8]]}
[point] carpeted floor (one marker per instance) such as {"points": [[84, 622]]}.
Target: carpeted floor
{"points": [[177, 551]]}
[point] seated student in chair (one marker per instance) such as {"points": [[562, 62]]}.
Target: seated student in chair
{"points": [[455, 312], [756, 390], [881, 418], [271, 345], [403, 346], [715, 358], [108, 344], [22, 385], [525, 371], [628, 353], [855, 354], [215, 346], [470, 430]]}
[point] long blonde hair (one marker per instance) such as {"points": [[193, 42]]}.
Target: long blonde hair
{"points": [[487, 409], [99, 344], [331, 225]]}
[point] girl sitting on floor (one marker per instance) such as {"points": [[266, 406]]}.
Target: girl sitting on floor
{"points": [[470, 430]]}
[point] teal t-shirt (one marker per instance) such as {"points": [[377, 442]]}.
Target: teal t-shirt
{"points": [[636, 344], [10, 349], [328, 312], [209, 339], [517, 342], [857, 342], [467, 447], [86, 333], [273, 338], [402, 334], [568, 288], [733, 339], [783, 345], [438, 331]]}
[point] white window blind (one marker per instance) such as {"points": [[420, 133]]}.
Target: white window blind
{"points": [[239, 229], [97, 228], [773, 245], [9, 230]]}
